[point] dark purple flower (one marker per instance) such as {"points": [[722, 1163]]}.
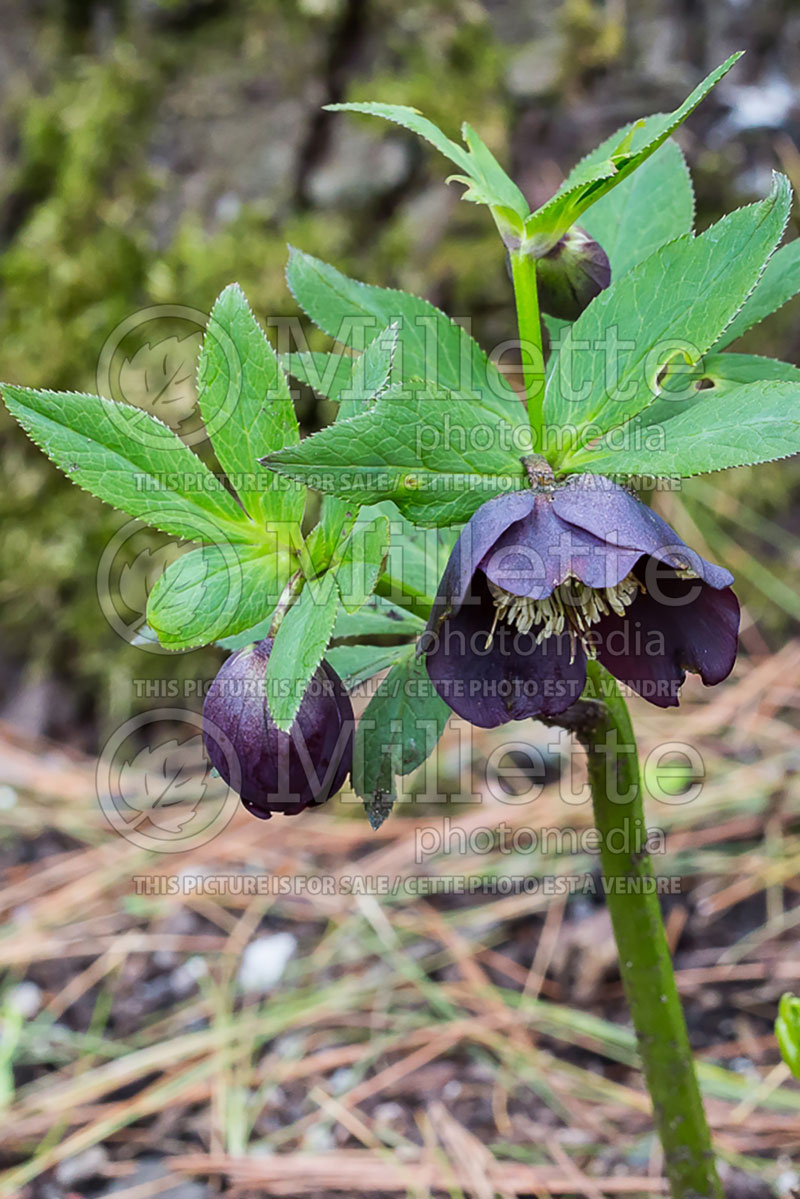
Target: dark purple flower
{"points": [[539, 580], [277, 771], [571, 274]]}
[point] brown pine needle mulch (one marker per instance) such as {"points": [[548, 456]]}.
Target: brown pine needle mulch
{"points": [[427, 1037]]}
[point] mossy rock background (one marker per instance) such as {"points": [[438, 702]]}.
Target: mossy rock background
{"points": [[152, 152]]}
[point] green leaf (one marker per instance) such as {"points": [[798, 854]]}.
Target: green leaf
{"points": [[671, 306], [328, 374], [361, 560], [410, 118], [370, 375], [429, 345], [609, 164], [438, 458], [240, 640], [416, 561], [489, 184], [780, 281], [720, 372], [247, 409], [216, 591], [131, 460], [377, 618], [299, 646], [485, 180], [398, 730], [355, 664], [652, 206], [740, 426]]}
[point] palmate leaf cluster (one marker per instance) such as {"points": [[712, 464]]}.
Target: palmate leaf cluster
{"points": [[643, 383]]}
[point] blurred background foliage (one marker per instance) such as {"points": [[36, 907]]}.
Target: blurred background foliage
{"points": [[151, 151]]}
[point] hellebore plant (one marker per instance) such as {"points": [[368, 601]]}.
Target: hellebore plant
{"points": [[493, 556]]}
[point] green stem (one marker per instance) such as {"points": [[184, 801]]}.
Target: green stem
{"points": [[523, 274], [289, 596], [606, 733]]}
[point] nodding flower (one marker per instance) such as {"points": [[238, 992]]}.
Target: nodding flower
{"points": [[541, 580], [275, 771]]}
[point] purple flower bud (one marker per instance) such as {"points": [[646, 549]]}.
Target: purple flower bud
{"points": [[571, 274], [279, 772], [540, 581]]}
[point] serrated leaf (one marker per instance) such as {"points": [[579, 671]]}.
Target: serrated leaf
{"points": [[398, 730], [355, 664], [248, 636], [415, 563], [485, 180], [131, 460], [747, 424], [429, 345], [351, 381], [328, 374], [609, 164], [490, 184], [673, 305], [216, 591], [722, 372], [246, 406], [361, 560], [437, 471], [412, 119], [779, 282], [377, 618], [299, 647], [370, 375], [368, 378], [649, 208]]}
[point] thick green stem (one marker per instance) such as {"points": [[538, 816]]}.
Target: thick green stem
{"points": [[523, 274], [606, 733]]}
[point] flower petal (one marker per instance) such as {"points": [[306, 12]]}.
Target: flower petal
{"points": [[595, 503], [477, 537], [540, 551], [512, 680], [688, 625]]}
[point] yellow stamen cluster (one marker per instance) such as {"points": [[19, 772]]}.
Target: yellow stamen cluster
{"points": [[571, 608]]}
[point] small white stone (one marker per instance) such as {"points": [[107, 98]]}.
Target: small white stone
{"points": [[390, 1112], [786, 1184], [8, 798], [342, 1080], [82, 1166], [264, 961], [185, 976], [319, 1138], [25, 998], [765, 105]]}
